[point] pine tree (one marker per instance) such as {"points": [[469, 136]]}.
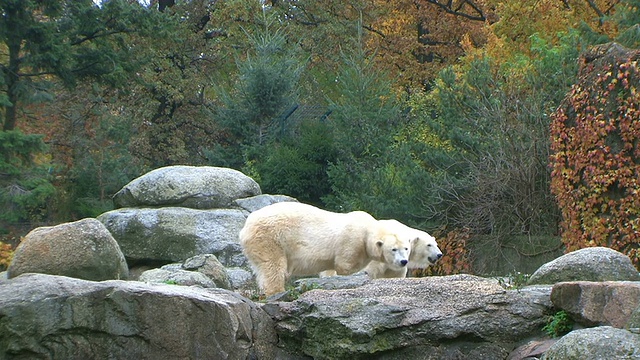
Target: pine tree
{"points": [[68, 40], [266, 87]]}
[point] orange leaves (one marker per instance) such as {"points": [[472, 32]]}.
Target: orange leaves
{"points": [[6, 254], [595, 162], [455, 259]]}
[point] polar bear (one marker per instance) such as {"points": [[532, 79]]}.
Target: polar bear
{"points": [[424, 252], [291, 238]]}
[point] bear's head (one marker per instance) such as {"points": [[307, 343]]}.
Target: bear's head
{"points": [[393, 249], [424, 250]]}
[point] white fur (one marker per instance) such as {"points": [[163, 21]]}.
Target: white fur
{"points": [[424, 252], [291, 238]]}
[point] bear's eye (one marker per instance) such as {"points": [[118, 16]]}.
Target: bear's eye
{"points": [[406, 249], [429, 245], [394, 249]]}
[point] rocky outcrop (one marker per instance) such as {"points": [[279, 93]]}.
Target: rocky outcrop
{"points": [[55, 317], [210, 266], [197, 187], [82, 249], [603, 342], [475, 317], [174, 234], [589, 264], [609, 303], [203, 270]]}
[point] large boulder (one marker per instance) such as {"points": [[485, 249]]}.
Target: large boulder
{"points": [[446, 317], [598, 303], [198, 187], [174, 234], [257, 202], [82, 249], [589, 264], [603, 342], [54, 317]]}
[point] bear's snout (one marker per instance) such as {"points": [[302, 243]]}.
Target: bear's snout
{"points": [[434, 259], [404, 262]]}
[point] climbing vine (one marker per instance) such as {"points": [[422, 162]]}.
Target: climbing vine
{"points": [[455, 259], [595, 137]]}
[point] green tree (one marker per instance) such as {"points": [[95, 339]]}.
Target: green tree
{"points": [[297, 164], [69, 40], [50, 47], [25, 186], [495, 181], [253, 113], [365, 110]]}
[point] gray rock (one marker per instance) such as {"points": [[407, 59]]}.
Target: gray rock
{"points": [[176, 234], [390, 316], [82, 249], [590, 264], [208, 265], [198, 187], [598, 303], [176, 277], [333, 282], [254, 203], [54, 317], [241, 279], [599, 343]]}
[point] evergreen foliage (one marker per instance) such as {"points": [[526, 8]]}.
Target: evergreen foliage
{"points": [[70, 40], [25, 187], [365, 110], [251, 114]]}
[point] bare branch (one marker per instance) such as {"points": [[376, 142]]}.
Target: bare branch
{"points": [[459, 9]]}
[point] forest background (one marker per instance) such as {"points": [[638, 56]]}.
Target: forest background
{"points": [[435, 113]]}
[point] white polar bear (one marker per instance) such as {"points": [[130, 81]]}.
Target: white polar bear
{"points": [[291, 238], [424, 252]]}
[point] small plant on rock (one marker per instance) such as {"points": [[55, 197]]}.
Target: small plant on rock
{"points": [[559, 324], [514, 280]]}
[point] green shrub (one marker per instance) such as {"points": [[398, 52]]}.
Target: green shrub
{"points": [[559, 324]]}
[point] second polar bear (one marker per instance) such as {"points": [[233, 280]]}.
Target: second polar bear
{"points": [[424, 252], [291, 238]]}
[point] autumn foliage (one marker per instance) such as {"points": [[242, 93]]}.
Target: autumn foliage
{"points": [[6, 254], [596, 153], [455, 259]]}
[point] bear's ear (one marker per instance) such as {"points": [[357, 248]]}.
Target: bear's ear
{"points": [[379, 243]]}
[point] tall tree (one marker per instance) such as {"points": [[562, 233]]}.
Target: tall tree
{"points": [[69, 40], [253, 112], [365, 110]]}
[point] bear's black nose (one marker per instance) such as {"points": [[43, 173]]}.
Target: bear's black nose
{"points": [[439, 256], [403, 262]]}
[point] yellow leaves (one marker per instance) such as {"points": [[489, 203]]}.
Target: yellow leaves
{"points": [[6, 254]]}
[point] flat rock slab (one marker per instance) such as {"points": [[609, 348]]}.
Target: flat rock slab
{"points": [[388, 315]]}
